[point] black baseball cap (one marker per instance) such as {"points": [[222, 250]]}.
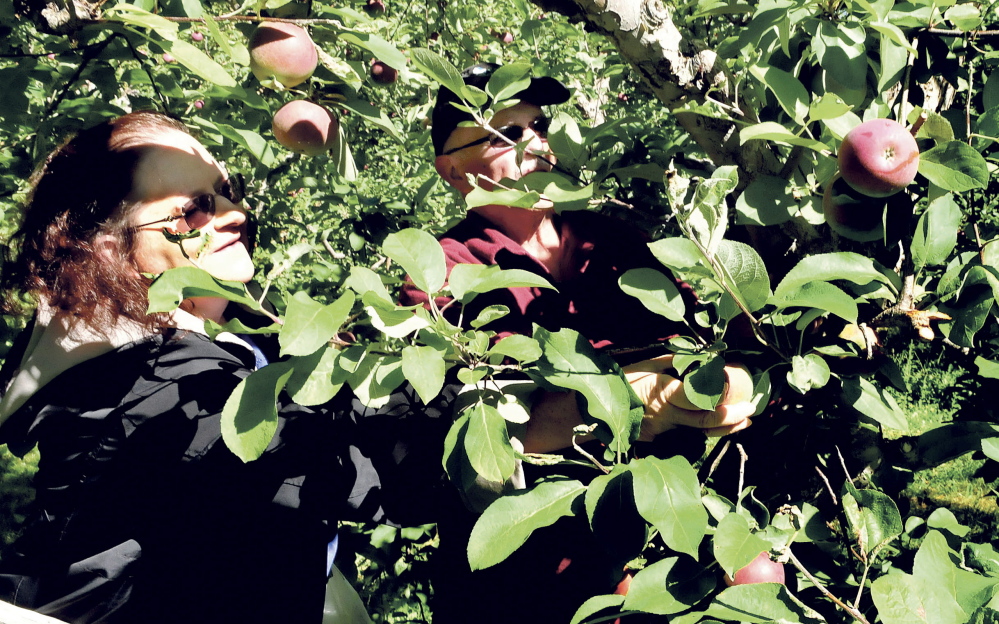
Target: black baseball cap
{"points": [[445, 117]]}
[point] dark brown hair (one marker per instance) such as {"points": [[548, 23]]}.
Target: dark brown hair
{"points": [[80, 194]]}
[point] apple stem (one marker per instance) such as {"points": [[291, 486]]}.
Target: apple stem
{"points": [[917, 125], [853, 611], [743, 458]]}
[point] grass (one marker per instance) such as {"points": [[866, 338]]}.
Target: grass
{"points": [[966, 485]]}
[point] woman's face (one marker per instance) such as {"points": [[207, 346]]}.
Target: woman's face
{"points": [[172, 173]]}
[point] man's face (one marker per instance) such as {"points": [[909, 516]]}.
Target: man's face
{"points": [[488, 162]]}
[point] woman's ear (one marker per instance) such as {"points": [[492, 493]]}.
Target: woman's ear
{"points": [[108, 248], [448, 169]]}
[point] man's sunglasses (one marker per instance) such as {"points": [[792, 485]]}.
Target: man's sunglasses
{"points": [[508, 135], [201, 209]]}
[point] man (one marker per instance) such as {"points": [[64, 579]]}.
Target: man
{"points": [[582, 254]]}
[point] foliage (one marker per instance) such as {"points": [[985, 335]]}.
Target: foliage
{"points": [[724, 169]]}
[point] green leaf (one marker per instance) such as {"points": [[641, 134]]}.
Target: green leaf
{"points": [[368, 284], [873, 518], [524, 349], [424, 368], [373, 115], [563, 193], [508, 80], [748, 271], [766, 201], [895, 34], [468, 280], [827, 106], [705, 386], [515, 198], [668, 587], [566, 140], [827, 267], [180, 283], [819, 295], [438, 68], [420, 255], [936, 233], [595, 605], [313, 382], [790, 93], [760, 603], [735, 545], [396, 323], [808, 372], [656, 291], [309, 324], [237, 52], [379, 48], [668, 496], [873, 402], [570, 362], [904, 599], [964, 16], [954, 166], [841, 51], [773, 131], [935, 562], [509, 521], [137, 16], [708, 218], [375, 378], [679, 254], [249, 418], [198, 62], [487, 444]]}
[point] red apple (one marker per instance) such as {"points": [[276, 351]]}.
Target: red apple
{"points": [[304, 127], [197, 36], [879, 157], [861, 217], [380, 72], [168, 58], [763, 569], [507, 37], [375, 6], [282, 52]]}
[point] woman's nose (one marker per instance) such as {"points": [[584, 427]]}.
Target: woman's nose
{"points": [[228, 214]]}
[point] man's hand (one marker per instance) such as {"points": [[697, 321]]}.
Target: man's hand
{"points": [[667, 407]]}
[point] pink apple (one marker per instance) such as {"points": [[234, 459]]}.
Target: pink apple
{"points": [[763, 569], [304, 127], [283, 52], [879, 158]]}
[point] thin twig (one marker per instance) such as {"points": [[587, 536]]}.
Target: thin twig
{"points": [[588, 456], [842, 462], [855, 613], [743, 458], [718, 459], [828, 485]]}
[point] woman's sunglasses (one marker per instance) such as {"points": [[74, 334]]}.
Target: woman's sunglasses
{"points": [[201, 209], [510, 135]]}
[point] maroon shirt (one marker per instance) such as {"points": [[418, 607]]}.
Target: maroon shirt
{"points": [[597, 250]]}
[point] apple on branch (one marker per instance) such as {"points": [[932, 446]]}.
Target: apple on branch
{"points": [[879, 158], [864, 218], [306, 128], [762, 569], [283, 53], [382, 72]]}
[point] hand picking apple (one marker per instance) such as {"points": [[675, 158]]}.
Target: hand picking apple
{"points": [[667, 406]]}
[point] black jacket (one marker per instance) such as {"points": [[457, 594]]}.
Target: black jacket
{"points": [[144, 515]]}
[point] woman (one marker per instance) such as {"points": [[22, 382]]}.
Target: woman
{"points": [[143, 514]]}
